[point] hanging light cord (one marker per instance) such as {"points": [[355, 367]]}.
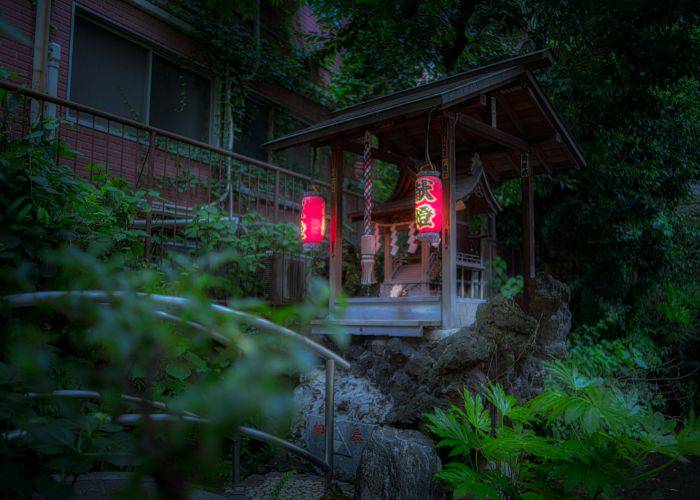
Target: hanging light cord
{"points": [[427, 140], [314, 169]]}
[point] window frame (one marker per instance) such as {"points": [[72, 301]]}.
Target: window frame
{"points": [[152, 47]]}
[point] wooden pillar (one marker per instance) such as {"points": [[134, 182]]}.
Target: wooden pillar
{"points": [[449, 224], [528, 189], [335, 233], [388, 259], [490, 254], [425, 261]]}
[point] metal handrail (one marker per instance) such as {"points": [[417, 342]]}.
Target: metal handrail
{"points": [[13, 87], [23, 300], [33, 298], [186, 416]]}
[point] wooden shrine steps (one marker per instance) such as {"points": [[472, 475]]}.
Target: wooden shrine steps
{"points": [[387, 316]]}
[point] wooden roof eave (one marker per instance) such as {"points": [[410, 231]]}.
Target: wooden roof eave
{"points": [[547, 109], [532, 61], [346, 127]]}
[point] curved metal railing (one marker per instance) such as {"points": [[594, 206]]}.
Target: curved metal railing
{"points": [[24, 300]]}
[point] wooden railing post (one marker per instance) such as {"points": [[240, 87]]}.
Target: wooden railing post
{"points": [[335, 264], [449, 224]]}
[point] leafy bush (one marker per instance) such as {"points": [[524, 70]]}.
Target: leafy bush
{"points": [[250, 240], [61, 232], [43, 205], [129, 348], [502, 283], [580, 438]]}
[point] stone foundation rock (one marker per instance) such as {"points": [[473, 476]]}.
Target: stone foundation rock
{"points": [[398, 464], [356, 399], [504, 343], [394, 381]]}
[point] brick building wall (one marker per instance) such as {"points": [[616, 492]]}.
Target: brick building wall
{"points": [[14, 55], [17, 57], [123, 151]]}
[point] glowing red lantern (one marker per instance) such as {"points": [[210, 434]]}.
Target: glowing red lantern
{"points": [[313, 220], [428, 205]]}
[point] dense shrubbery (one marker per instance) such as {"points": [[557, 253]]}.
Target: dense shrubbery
{"points": [[252, 240], [583, 437], [43, 205], [58, 231]]}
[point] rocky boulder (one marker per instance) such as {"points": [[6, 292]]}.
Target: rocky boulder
{"points": [[549, 305], [398, 465], [504, 343], [356, 399]]}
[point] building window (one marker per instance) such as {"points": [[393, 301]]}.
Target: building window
{"points": [[112, 73], [180, 100], [109, 72], [254, 130]]}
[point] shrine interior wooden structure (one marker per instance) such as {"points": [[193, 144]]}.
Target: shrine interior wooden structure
{"points": [[483, 127]]}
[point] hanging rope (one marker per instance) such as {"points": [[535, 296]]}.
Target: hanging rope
{"points": [[412, 241], [367, 183], [368, 245], [394, 243]]}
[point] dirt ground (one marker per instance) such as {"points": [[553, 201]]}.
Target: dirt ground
{"points": [[679, 481]]}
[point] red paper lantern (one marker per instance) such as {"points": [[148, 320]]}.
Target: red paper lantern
{"points": [[313, 220], [428, 205]]}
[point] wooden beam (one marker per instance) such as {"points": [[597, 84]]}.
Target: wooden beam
{"points": [[449, 225], [485, 131], [388, 259], [335, 233], [425, 262], [503, 103], [527, 186], [514, 162], [380, 154]]}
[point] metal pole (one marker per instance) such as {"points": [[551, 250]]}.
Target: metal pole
{"points": [[54, 59], [330, 425]]}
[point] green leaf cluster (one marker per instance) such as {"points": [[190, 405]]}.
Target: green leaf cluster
{"points": [[580, 438]]}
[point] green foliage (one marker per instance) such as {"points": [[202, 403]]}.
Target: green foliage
{"points": [[249, 240], [502, 283], [580, 438], [63, 232], [140, 354], [281, 483], [242, 42], [388, 46], [43, 205]]}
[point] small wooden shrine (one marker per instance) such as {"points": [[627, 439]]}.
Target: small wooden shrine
{"points": [[476, 130]]}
